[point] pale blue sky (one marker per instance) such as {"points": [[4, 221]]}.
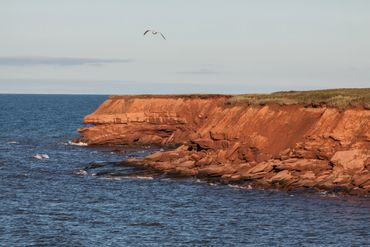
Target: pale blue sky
{"points": [[235, 46]]}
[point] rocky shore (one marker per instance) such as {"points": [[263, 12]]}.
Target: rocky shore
{"points": [[271, 145]]}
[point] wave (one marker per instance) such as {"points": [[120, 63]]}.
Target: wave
{"points": [[77, 143], [40, 156], [248, 187], [327, 194], [80, 172], [124, 177], [143, 177]]}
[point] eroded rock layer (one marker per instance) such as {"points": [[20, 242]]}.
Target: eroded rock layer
{"points": [[288, 146]]}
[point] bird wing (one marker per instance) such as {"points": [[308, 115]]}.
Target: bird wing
{"points": [[162, 36], [146, 31]]}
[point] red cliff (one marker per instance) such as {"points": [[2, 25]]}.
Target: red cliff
{"points": [[288, 146]]}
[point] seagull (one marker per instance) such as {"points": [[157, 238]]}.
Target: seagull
{"points": [[154, 33]]}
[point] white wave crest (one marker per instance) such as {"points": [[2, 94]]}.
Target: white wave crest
{"points": [[248, 187], [77, 143], [80, 172], [143, 177], [40, 156], [125, 177]]}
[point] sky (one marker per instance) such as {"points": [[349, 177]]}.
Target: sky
{"points": [[211, 46]]}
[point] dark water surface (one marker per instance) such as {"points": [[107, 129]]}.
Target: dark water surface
{"points": [[44, 203]]}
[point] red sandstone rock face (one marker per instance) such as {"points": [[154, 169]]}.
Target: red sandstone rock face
{"points": [[282, 146]]}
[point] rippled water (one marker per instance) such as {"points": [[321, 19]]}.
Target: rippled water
{"points": [[58, 201]]}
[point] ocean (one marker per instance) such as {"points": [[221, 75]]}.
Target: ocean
{"points": [[72, 195]]}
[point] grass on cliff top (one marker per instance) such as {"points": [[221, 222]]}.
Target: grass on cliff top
{"points": [[340, 98]]}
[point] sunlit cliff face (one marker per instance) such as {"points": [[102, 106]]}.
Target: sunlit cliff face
{"points": [[281, 146]]}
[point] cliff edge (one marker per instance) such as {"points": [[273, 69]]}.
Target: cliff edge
{"points": [[270, 145]]}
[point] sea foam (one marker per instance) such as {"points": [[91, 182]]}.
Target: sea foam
{"points": [[77, 143], [41, 156]]}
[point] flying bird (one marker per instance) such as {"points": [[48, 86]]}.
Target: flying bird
{"points": [[154, 33]]}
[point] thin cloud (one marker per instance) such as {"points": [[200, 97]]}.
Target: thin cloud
{"points": [[56, 61], [200, 72]]}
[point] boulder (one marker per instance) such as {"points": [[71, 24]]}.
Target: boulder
{"points": [[183, 171], [204, 143], [361, 179], [303, 165], [187, 164], [150, 139], [342, 179], [351, 161], [217, 135], [282, 177], [216, 170], [261, 167]]}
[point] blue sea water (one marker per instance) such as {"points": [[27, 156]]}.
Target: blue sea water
{"points": [[55, 202]]}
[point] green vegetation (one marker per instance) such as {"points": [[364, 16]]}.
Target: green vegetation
{"points": [[340, 98]]}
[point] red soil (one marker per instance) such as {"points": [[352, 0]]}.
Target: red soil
{"points": [[277, 146]]}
